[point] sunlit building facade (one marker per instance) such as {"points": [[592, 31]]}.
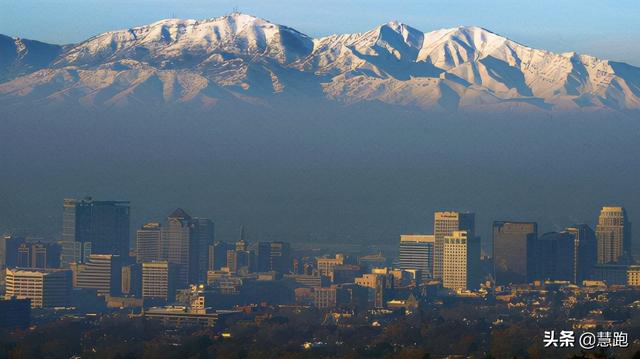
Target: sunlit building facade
{"points": [[613, 233], [444, 224]]}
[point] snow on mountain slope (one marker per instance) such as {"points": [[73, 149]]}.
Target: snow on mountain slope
{"points": [[465, 67], [243, 57], [179, 43], [21, 56]]}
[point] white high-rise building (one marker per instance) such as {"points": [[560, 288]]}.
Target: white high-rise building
{"points": [[461, 259], [45, 288], [613, 234], [177, 243], [148, 242], [444, 224]]}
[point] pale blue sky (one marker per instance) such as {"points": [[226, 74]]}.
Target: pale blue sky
{"points": [[608, 29]]}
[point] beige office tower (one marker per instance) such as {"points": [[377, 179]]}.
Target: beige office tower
{"points": [[176, 242], [158, 281], [613, 234], [461, 261], [46, 288], [102, 272], [444, 224], [148, 242]]}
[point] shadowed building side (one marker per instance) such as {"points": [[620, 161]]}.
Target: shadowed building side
{"points": [[510, 250], [552, 257], [416, 252], [90, 226], [584, 252]]}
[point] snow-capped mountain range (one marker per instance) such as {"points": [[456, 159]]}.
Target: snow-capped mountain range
{"points": [[239, 57]]}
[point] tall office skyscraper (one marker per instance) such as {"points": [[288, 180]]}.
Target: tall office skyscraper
{"points": [[3, 251], [43, 255], [158, 281], [35, 255], [553, 257], [584, 251], [461, 261], [239, 261], [131, 283], [23, 257], [263, 256], [148, 242], [176, 243], [218, 255], [613, 233], [416, 252], [232, 261], [9, 245], [20, 252], [510, 250], [203, 236], [280, 257], [444, 224], [90, 226]]}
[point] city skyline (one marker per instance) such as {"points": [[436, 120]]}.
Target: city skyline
{"points": [[188, 242], [179, 275], [143, 234], [188, 245]]}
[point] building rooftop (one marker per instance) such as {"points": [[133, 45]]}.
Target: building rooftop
{"points": [[179, 213]]}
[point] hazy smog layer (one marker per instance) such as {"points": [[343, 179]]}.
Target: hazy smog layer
{"points": [[325, 173]]}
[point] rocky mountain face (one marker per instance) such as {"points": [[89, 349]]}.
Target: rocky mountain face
{"points": [[243, 58], [19, 56]]}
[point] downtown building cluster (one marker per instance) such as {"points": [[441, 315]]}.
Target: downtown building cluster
{"points": [[520, 254], [178, 272], [93, 262]]}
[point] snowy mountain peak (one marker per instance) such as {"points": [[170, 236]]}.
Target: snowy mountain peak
{"points": [[246, 58], [167, 43], [410, 36], [461, 44]]}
